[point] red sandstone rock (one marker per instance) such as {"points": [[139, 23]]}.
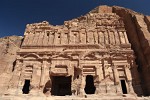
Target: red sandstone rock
{"points": [[8, 49]]}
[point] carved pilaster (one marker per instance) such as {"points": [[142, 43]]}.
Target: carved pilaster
{"points": [[129, 78], [126, 38], [101, 38], [128, 73], [99, 72], [122, 38], [116, 75], [83, 83], [42, 82], [106, 37], [21, 79], [34, 81], [117, 39]]}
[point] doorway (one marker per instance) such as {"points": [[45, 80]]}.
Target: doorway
{"points": [[123, 86], [26, 87], [61, 85], [89, 87]]}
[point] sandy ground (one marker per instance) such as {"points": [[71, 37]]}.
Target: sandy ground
{"points": [[87, 97]]}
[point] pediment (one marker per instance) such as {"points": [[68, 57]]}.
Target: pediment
{"points": [[31, 56]]}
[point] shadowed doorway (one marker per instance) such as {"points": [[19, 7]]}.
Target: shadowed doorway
{"points": [[124, 88], [26, 87], [61, 85], [89, 87]]}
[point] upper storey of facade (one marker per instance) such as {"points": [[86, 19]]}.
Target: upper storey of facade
{"points": [[99, 29]]}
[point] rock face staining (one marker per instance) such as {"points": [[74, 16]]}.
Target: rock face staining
{"points": [[87, 55]]}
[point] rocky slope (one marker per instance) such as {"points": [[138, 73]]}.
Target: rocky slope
{"points": [[8, 48], [138, 31]]}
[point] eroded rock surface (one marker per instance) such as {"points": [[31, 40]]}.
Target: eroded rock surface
{"points": [[8, 53]]}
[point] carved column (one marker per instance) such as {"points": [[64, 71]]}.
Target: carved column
{"points": [[42, 82], [116, 75], [126, 38], [70, 67], [71, 37], [117, 39], [35, 80], [101, 38], [51, 38], [122, 38], [106, 37], [117, 80], [21, 80], [111, 37], [95, 37], [64, 39], [128, 73], [129, 78], [99, 72], [90, 38], [40, 39], [83, 83]]}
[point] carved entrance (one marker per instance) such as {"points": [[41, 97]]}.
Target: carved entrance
{"points": [[61, 85], [89, 87], [123, 86], [26, 87]]}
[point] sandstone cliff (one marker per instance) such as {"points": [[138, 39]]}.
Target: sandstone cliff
{"points": [[138, 31], [8, 49]]}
